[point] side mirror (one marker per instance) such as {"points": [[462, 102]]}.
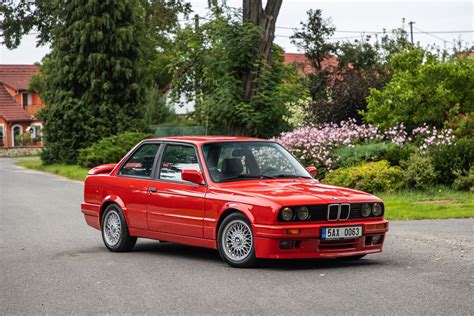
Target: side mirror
{"points": [[193, 176], [312, 171]]}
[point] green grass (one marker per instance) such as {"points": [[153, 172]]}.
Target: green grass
{"points": [[439, 203], [72, 172]]}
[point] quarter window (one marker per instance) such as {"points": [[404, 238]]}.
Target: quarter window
{"points": [[141, 162], [177, 158]]}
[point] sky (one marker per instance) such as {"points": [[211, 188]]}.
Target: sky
{"points": [[351, 19]]}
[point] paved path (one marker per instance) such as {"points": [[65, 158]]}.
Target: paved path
{"points": [[52, 262]]}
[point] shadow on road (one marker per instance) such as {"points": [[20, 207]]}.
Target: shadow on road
{"points": [[177, 250], [204, 254]]}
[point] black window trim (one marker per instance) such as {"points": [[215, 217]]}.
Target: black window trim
{"points": [[156, 175], [133, 151]]}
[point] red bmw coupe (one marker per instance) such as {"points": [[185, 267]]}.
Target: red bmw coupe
{"points": [[248, 198]]}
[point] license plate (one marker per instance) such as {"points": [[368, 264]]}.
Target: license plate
{"points": [[341, 232]]}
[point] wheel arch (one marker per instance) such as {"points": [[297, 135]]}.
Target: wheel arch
{"points": [[109, 200], [231, 210]]}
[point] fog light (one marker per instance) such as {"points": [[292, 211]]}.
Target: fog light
{"points": [[366, 209], [376, 239], [287, 214], [286, 244]]}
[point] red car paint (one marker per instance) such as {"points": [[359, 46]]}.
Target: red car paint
{"points": [[191, 213]]}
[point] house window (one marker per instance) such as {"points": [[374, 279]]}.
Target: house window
{"points": [[2, 135], [24, 99], [36, 132]]}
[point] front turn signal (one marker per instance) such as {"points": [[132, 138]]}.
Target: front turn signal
{"points": [[375, 226]]}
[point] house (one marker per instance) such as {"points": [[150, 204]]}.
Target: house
{"points": [[19, 105], [303, 65]]}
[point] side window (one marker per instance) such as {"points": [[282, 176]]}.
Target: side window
{"points": [[177, 158], [140, 164]]}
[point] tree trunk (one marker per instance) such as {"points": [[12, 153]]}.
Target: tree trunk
{"points": [[266, 19]]}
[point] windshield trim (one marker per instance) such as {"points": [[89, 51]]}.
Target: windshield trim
{"points": [[263, 141]]}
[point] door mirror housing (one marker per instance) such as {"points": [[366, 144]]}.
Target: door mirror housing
{"points": [[193, 176], [312, 171]]}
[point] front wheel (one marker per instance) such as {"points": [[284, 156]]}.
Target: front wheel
{"points": [[235, 241], [115, 230]]}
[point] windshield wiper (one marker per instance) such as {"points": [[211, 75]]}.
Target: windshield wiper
{"points": [[290, 176], [248, 176]]}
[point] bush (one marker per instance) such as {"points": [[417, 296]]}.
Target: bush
{"points": [[370, 177], [393, 153], [462, 125], [464, 181], [109, 149], [422, 90], [418, 171], [447, 159]]}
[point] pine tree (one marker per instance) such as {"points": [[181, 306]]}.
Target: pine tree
{"points": [[94, 79]]}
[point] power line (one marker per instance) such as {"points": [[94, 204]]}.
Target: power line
{"points": [[383, 32], [331, 38], [427, 33]]}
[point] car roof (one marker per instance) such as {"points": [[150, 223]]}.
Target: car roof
{"points": [[208, 139]]}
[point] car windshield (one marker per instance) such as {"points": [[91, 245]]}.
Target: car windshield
{"points": [[234, 161]]}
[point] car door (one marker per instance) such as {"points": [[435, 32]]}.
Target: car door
{"points": [[176, 206], [132, 182]]}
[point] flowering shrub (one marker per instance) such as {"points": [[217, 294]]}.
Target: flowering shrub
{"points": [[314, 145]]}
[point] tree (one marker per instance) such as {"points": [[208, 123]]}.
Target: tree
{"points": [[313, 38], [265, 19], [21, 17], [210, 61], [423, 89], [339, 89], [94, 79]]}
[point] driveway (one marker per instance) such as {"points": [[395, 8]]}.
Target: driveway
{"points": [[52, 262]]}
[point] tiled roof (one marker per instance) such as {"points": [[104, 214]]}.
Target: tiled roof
{"points": [[300, 59], [10, 110], [17, 76]]}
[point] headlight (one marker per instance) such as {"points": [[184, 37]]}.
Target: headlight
{"points": [[287, 214], [366, 209], [302, 213], [377, 210]]}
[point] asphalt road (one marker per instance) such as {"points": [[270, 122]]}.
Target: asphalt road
{"points": [[52, 262]]}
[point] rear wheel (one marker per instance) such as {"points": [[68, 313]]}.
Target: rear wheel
{"points": [[235, 241], [115, 230]]}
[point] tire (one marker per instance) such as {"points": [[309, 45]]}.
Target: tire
{"points": [[115, 230], [235, 241]]}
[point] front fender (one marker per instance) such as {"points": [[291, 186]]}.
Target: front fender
{"points": [[246, 209]]}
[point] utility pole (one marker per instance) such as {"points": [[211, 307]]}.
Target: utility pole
{"points": [[411, 31]]}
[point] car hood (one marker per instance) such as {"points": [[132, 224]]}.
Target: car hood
{"points": [[297, 192]]}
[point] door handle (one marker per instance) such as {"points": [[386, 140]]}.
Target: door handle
{"points": [[152, 189]]}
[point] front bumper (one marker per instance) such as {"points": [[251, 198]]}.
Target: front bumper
{"points": [[308, 242]]}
